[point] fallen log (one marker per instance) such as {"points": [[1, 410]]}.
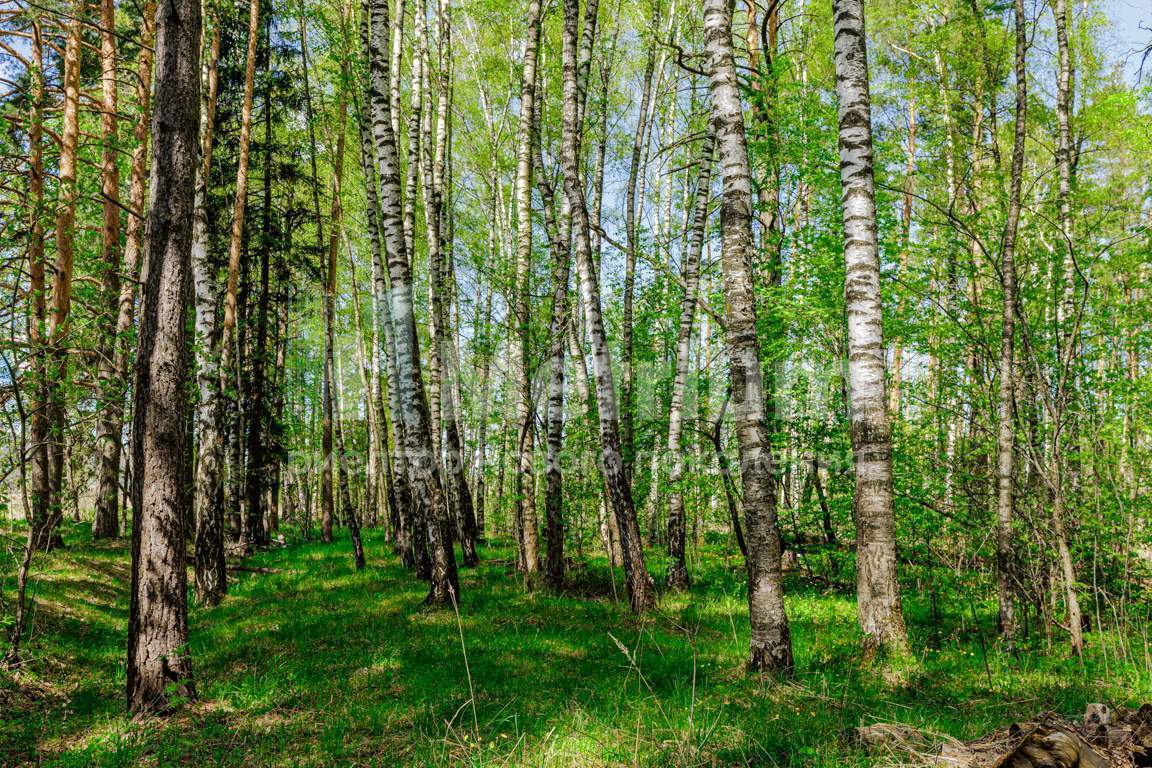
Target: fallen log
{"points": [[1103, 738]]}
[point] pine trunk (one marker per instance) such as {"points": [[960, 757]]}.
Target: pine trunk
{"points": [[159, 672], [105, 523]]}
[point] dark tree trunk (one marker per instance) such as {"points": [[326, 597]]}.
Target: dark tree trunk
{"points": [[255, 534], [159, 672]]}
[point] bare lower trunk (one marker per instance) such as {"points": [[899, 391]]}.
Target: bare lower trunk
{"points": [[1067, 322], [255, 532], [877, 585], [40, 487], [407, 537], [208, 492], [108, 427], [37, 441], [56, 381], [335, 218], [1006, 431], [159, 672], [525, 407], [559, 235], [440, 257], [112, 424], [230, 370], [770, 642], [690, 274]]}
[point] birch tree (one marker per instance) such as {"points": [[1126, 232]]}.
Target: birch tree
{"points": [[877, 585], [690, 274], [427, 485], [770, 641], [641, 588]]}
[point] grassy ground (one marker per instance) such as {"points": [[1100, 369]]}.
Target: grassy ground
{"points": [[317, 664]]}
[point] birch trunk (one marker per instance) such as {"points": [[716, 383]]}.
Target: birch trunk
{"points": [[1006, 431], [559, 235], [770, 642], [877, 585], [636, 170], [440, 255], [1066, 323], [641, 589], [208, 490], [408, 540], [690, 273], [525, 408], [428, 489]]}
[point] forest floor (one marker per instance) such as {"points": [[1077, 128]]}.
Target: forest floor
{"points": [[317, 664]]}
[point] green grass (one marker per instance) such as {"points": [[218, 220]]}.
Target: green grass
{"points": [[320, 665]]}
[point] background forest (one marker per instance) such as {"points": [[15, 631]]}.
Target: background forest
{"points": [[537, 382]]}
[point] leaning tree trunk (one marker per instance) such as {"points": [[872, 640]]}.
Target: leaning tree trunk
{"points": [[159, 672], [677, 569], [641, 589], [427, 486], [877, 584], [208, 486], [770, 642], [525, 410], [1006, 432], [38, 423]]}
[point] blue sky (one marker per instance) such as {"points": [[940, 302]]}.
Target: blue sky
{"points": [[1131, 32]]}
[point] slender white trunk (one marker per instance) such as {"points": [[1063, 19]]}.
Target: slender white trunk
{"points": [[426, 483], [770, 641], [877, 585], [690, 273]]}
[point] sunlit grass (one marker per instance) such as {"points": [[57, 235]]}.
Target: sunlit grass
{"points": [[317, 664]]}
